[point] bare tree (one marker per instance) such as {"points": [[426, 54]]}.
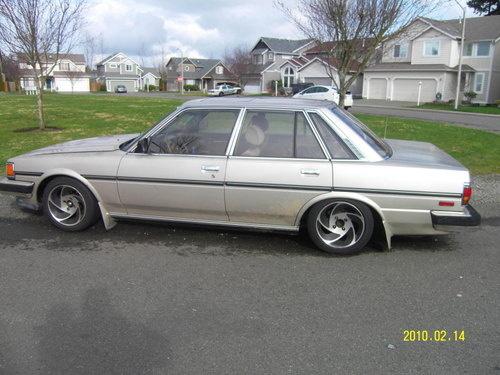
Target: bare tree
{"points": [[351, 32], [89, 49], [238, 59], [39, 31]]}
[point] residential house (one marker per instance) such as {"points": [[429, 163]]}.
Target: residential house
{"points": [[119, 69], [149, 77], [425, 60], [204, 73], [268, 58], [63, 74]]}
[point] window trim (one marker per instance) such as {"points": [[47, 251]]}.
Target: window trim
{"points": [[401, 46], [230, 153], [219, 69], [439, 47], [336, 135], [483, 75], [131, 68], [475, 48], [113, 65]]}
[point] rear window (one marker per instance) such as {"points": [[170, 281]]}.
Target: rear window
{"points": [[364, 132]]}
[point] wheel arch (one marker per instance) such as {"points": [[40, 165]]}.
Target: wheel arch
{"points": [[379, 218], [63, 172]]}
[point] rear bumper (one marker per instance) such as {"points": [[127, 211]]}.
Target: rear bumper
{"points": [[16, 187], [468, 218]]}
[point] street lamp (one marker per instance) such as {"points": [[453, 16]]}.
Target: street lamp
{"points": [[462, 40], [182, 69]]}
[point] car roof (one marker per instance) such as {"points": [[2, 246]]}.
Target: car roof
{"points": [[258, 103]]}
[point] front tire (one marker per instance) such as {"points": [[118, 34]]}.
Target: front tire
{"points": [[340, 226], [221, 93], [69, 205]]}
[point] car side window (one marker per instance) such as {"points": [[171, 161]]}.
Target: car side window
{"points": [[335, 146], [310, 90], [321, 89], [277, 134], [196, 132]]}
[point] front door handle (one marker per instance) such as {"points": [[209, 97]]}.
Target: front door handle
{"points": [[310, 172], [210, 168]]}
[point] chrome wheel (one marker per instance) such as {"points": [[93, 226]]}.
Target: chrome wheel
{"points": [[66, 205], [340, 224]]}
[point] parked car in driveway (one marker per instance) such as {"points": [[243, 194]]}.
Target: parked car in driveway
{"points": [[222, 90], [274, 164], [324, 93], [120, 89]]}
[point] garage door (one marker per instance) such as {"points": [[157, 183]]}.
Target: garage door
{"points": [[128, 84], [68, 85], [407, 90], [324, 81], [252, 88], [377, 88]]}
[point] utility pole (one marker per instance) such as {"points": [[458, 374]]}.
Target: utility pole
{"points": [[462, 40]]}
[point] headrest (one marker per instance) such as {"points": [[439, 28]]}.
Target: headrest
{"points": [[254, 135]]}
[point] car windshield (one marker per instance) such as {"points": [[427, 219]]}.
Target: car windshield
{"points": [[364, 132]]}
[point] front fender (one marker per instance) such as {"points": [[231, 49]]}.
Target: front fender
{"points": [[347, 195], [109, 222]]}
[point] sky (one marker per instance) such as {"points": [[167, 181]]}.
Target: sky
{"points": [[146, 30]]}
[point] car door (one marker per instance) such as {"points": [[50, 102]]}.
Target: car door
{"points": [[276, 167], [182, 174], [309, 93], [322, 93]]}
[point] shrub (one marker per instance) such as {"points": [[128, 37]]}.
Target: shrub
{"points": [[469, 95], [102, 87], [150, 88], [191, 88]]}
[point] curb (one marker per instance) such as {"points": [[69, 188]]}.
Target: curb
{"points": [[475, 114]]}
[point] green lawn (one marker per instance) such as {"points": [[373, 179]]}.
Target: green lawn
{"points": [[462, 108], [81, 116]]}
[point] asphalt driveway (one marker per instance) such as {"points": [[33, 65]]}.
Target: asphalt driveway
{"points": [[157, 299]]}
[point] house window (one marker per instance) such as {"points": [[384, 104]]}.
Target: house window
{"points": [[257, 59], [219, 69], [400, 50], [64, 66], [478, 82], [128, 68], [186, 68], [479, 49], [288, 77], [431, 48], [468, 49], [483, 49], [114, 66], [270, 56]]}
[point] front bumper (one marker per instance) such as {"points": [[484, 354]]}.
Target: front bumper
{"points": [[468, 218], [16, 187]]}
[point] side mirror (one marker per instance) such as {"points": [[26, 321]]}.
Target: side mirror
{"points": [[143, 146]]}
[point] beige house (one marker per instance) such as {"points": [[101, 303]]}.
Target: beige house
{"points": [[424, 62], [66, 73]]}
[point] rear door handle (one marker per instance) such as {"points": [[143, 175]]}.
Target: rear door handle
{"points": [[310, 172], [210, 168]]}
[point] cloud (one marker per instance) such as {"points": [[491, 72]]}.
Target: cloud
{"points": [[199, 28]]}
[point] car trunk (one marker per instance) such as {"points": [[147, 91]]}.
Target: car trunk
{"points": [[422, 153]]}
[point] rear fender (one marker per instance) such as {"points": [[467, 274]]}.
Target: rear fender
{"points": [[352, 196]]}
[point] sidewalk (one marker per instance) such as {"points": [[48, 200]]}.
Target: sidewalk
{"points": [[480, 121]]}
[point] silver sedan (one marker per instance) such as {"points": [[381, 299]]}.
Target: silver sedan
{"points": [[273, 164]]}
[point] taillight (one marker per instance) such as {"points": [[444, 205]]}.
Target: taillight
{"points": [[466, 194], [9, 171]]}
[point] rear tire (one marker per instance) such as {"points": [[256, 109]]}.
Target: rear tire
{"points": [[69, 205], [340, 226], [221, 93], [347, 108]]}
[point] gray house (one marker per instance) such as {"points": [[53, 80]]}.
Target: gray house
{"points": [[425, 60], [119, 69], [204, 73], [268, 56]]}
